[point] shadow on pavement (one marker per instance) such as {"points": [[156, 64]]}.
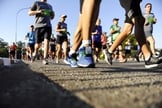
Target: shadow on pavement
{"points": [[20, 87]]}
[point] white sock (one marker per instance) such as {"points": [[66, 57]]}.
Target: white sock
{"points": [[109, 51], [105, 51], [86, 42], [71, 52], [147, 58]]}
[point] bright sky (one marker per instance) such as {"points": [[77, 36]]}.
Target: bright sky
{"points": [[109, 9]]}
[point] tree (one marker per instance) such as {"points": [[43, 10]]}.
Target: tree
{"points": [[20, 45], [3, 48]]}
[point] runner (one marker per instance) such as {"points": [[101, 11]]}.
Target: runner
{"points": [[43, 28]]}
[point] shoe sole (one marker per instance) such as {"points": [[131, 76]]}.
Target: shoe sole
{"points": [[86, 66], [151, 66], [66, 62], [74, 66]]}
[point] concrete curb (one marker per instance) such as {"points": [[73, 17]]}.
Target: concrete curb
{"points": [[6, 62]]}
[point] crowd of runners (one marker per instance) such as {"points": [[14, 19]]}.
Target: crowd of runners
{"points": [[90, 43]]}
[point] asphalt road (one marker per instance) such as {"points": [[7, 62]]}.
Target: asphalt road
{"points": [[122, 85]]}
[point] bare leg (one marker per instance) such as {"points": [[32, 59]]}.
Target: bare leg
{"points": [[87, 20], [58, 52], [151, 41], [90, 14], [46, 47], [65, 45], [77, 36], [36, 47], [127, 29]]}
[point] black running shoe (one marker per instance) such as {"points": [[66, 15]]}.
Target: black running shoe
{"points": [[33, 58], [153, 62], [137, 58], [109, 58], [73, 60], [45, 61]]}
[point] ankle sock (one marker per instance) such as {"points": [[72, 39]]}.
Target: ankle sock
{"points": [[86, 42], [147, 58], [71, 52], [110, 51]]}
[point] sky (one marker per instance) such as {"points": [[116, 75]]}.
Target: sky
{"points": [[15, 21]]}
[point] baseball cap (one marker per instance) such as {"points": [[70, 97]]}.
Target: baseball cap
{"points": [[63, 16], [115, 19], [32, 26]]}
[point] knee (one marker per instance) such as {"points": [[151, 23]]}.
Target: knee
{"points": [[127, 32]]}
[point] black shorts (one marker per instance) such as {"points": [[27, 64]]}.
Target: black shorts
{"points": [[97, 45], [42, 33], [61, 39], [12, 52], [52, 48], [127, 52], [104, 46], [81, 5], [31, 46], [132, 9]]}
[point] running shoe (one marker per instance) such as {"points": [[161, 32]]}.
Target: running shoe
{"points": [[33, 58], [45, 61], [67, 61], [137, 58], [85, 58], [73, 60], [108, 58], [153, 62]]}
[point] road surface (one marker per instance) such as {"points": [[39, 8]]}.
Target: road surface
{"points": [[122, 85]]}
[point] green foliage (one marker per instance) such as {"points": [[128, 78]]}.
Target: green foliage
{"points": [[133, 41], [4, 52], [134, 44], [3, 48], [20, 45]]}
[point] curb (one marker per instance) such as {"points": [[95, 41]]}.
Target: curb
{"points": [[6, 62]]}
